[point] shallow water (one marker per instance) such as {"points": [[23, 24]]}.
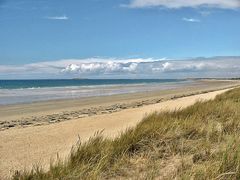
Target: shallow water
{"points": [[25, 92]]}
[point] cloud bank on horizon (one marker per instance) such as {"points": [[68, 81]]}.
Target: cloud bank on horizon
{"points": [[174, 4], [125, 68]]}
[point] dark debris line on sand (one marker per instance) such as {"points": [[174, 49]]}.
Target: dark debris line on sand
{"points": [[69, 115]]}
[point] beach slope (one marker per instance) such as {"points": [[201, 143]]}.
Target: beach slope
{"points": [[22, 148]]}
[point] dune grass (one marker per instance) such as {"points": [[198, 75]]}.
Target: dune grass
{"points": [[199, 142]]}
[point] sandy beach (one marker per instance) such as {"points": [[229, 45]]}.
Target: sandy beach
{"points": [[35, 133]]}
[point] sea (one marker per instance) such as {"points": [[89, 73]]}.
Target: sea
{"points": [[28, 91]]}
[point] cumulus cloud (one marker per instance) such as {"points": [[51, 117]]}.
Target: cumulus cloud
{"points": [[191, 66], [68, 67], [108, 67], [225, 4], [191, 20], [64, 17], [126, 68]]}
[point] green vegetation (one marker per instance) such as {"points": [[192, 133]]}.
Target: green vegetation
{"points": [[199, 142]]}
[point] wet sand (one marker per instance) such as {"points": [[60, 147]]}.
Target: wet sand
{"points": [[49, 112], [56, 125]]}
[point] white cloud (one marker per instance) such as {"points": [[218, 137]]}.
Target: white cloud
{"points": [[106, 67], [225, 4], [191, 20], [58, 17], [167, 66], [71, 67], [189, 66], [126, 68]]}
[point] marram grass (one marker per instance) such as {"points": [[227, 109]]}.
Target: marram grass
{"points": [[199, 142]]}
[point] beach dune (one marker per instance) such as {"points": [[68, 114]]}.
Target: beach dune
{"points": [[21, 148]]}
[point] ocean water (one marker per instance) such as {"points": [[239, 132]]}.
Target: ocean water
{"points": [[19, 84], [27, 91]]}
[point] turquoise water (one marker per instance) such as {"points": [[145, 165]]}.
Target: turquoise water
{"points": [[27, 91], [19, 84]]}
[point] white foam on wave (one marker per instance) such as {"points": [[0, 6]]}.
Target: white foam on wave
{"points": [[27, 95]]}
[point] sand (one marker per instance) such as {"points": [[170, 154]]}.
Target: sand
{"points": [[49, 112], [23, 146]]}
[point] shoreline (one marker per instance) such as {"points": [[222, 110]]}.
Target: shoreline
{"points": [[33, 95], [195, 82], [39, 145], [55, 111], [21, 148]]}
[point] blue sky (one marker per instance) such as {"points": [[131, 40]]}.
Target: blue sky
{"points": [[49, 31]]}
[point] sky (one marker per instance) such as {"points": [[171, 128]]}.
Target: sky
{"points": [[119, 38]]}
